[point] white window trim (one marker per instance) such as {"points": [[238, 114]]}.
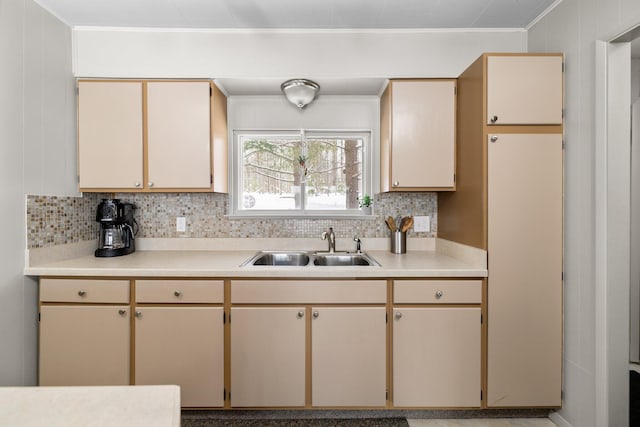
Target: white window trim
{"points": [[236, 175]]}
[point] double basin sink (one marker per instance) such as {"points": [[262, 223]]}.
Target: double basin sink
{"points": [[303, 258]]}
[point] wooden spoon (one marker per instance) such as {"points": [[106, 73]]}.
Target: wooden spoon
{"points": [[407, 223], [391, 224]]}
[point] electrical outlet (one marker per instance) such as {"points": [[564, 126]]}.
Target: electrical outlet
{"points": [[181, 224], [421, 224]]}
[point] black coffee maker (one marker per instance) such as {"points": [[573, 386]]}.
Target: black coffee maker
{"points": [[118, 228]]}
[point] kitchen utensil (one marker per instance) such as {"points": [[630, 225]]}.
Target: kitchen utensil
{"points": [[407, 223], [391, 223]]}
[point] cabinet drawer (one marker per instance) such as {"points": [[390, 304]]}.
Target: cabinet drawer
{"points": [[309, 291], [84, 290], [180, 291], [437, 291]]}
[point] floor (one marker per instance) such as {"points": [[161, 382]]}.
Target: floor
{"points": [[486, 422]]}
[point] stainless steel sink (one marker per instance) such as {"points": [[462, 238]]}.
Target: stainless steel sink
{"points": [[303, 258], [344, 259], [277, 258]]}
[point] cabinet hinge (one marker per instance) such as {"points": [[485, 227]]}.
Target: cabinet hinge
{"points": [[386, 395], [455, 90], [78, 177], [210, 91], [454, 177], [39, 316], [224, 317], [563, 113], [224, 394], [386, 318], [480, 394], [210, 179], [562, 395], [77, 90], [481, 319], [562, 276], [563, 67], [563, 144]]}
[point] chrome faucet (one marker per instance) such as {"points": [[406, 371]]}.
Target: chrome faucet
{"points": [[358, 245], [332, 239]]}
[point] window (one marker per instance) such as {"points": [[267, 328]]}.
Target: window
{"points": [[300, 173]]}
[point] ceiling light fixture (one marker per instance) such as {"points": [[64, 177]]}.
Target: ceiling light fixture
{"points": [[300, 92]]}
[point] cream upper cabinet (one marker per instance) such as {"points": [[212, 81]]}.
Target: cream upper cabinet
{"points": [[525, 269], [183, 346], [524, 90], [348, 357], [178, 132], [151, 136], [268, 356], [110, 136], [417, 135]]}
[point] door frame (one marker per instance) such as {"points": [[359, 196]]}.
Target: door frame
{"points": [[612, 230]]}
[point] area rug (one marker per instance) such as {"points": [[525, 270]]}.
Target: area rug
{"points": [[193, 421]]}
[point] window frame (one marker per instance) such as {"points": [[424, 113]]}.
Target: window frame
{"points": [[235, 209]]}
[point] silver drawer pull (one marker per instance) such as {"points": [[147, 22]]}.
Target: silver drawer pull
{"points": [[494, 119], [177, 293], [138, 314], [82, 292], [439, 294], [398, 315], [300, 314], [316, 314], [122, 312]]}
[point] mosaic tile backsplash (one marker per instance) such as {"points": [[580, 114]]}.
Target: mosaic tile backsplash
{"points": [[53, 220]]}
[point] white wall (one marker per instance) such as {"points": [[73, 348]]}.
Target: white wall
{"points": [[284, 54], [36, 156], [573, 27]]}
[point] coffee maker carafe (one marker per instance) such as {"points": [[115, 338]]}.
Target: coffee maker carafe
{"points": [[118, 228]]}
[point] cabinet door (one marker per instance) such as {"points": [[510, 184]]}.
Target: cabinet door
{"points": [[348, 356], [110, 135], [436, 357], [423, 134], [524, 90], [179, 129], [267, 356], [183, 346], [525, 270], [84, 345]]}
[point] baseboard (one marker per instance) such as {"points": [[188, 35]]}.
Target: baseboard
{"points": [[558, 420]]}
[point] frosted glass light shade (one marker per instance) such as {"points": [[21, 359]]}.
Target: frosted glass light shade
{"points": [[300, 92]]}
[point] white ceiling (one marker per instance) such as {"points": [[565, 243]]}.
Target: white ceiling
{"points": [[311, 14]]}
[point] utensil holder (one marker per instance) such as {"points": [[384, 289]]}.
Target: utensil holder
{"points": [[398, 242]]}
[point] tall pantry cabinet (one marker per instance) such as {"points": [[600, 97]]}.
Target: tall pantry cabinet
{"points": [[509, 202]]}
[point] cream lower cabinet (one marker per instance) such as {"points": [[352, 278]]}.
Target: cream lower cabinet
{"points": [[180, 344], [84, 332], [268, 356], [348, 357], [436, 357], [437, 347], [323, 349]]}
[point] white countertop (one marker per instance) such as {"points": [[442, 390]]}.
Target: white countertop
{"points": [[450, 261], [106, 406]]}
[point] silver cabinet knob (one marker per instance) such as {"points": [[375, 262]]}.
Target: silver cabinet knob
{"points": [[122, 312], [82, 292], [177, 293], [300, 314], [494, 119], [138, 314], [137, 184], [315, 314], [493, 138], [150, 184], [439, 294], [398, 315], [396, 183]]}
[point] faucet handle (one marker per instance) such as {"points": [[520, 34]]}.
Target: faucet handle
{"points": [[358, 244]]}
